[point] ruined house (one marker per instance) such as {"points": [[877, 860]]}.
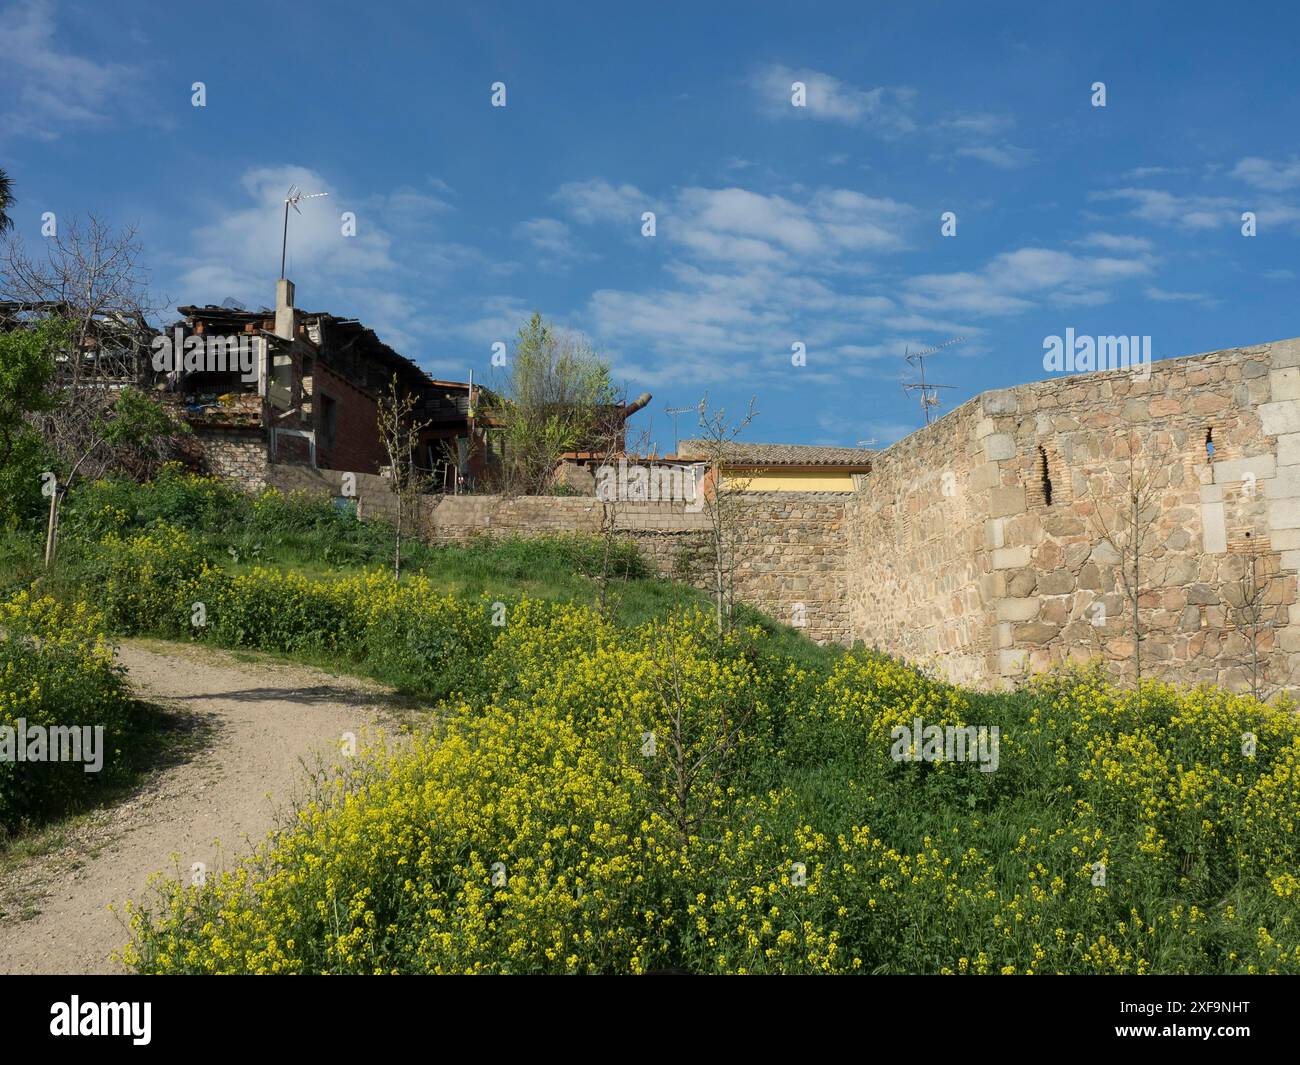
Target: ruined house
{"points": [[110, 348], [294, 387]]}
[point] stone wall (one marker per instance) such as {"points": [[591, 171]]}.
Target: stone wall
{"points": [[993, 543], [1016, 569], [790, 557], [920, 566], [237, 454]]}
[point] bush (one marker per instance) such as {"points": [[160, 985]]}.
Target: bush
{"points": [[21, 502], [56, 670], [151, 582], [175, 497], [621, 801]]}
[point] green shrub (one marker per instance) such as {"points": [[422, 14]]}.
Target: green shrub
{"points": [[56, 671], [767, 827]]}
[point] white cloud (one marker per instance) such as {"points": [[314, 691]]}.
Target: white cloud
{"points": [[1170, 209], [599, 201], [981, 124], [1003, 156], [1015, 281], [748, 274], [738, 226], [500, 318], [50, 87], [883, 109], [1164, 296], [1266, 174], [547, 235], [1116, 242], [1139, 173]]}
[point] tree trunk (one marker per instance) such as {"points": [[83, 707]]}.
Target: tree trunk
{"points": [[397, 545], [52, 529]]}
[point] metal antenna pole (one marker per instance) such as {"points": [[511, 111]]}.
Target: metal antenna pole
{"points": [[292, 199], [929, 393], [284, 241], [674, 411]]}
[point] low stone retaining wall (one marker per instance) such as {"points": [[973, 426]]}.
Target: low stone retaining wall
{"points": [[790, 550]]}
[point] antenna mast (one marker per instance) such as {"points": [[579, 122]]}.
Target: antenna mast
{"points": [[294, 195], [674, 411], [928, 391]]}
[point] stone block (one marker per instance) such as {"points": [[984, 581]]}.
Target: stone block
{"points": [[1284, 383], [1288, 449], [1280, 417], [1001, 401], [1233, 470], [999, 446], [1016, 557], [986, 475], [1285, 353], [1006, 500], [1286, 485]]}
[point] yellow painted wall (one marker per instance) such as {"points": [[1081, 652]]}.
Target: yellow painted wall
{"points": [[778, 481]]}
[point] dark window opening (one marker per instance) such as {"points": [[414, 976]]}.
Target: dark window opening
{"points": [[329, 420], [1046, 475], [1209, 445]]}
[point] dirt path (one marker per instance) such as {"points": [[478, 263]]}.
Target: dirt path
{"points": [[253, 726]]}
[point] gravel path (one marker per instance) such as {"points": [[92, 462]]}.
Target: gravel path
{"points": [[256, 726]]}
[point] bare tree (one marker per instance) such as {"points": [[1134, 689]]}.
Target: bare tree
{"points": [[609, 445], [400, 432], [724, 505], [1246, 607], [688, 761], [1128, 525], [132, 423], [91, 276]]}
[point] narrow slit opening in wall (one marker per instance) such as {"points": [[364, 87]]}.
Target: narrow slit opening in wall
{"points": [[1046, 476], [1209, 445]]}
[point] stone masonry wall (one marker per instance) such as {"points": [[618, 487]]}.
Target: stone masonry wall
{"points": [[790, 558], [237, 454], [920, 566], [1043, 470], [980, 543]]}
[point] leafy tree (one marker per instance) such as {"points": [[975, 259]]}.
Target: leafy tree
{"points": [[26, 376], [556, 394], [6, 201]]}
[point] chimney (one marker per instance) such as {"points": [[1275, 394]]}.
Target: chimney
{"points": [[631, 408], [284, 313]]}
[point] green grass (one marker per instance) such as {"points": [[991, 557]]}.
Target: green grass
{"points": [[313, 537]]}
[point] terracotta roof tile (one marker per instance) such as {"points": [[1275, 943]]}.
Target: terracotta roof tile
{"points": [[784, 454]]}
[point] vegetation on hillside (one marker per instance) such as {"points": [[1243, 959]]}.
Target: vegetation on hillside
{"points": [[594, 799], [597, 793]]}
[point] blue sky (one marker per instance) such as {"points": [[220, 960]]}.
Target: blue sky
{"points": [[775, 225]]}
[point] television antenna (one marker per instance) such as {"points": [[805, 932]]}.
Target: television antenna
{"points": [[674, 411], [867, 443], [929, 391], [291, 199]]}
